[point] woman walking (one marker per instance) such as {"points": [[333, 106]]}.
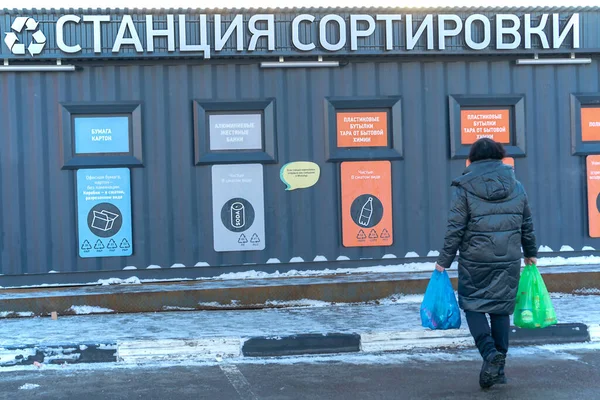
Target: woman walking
{"points": [[488, 223]]}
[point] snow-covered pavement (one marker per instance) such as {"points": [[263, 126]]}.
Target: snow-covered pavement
{"points": [[399, 313], [535, 373]]}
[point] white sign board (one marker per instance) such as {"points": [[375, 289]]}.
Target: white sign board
{"points": [[238, 207], [235, 131]]}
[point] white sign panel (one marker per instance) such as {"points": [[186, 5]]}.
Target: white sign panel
{"points": [[238, 207], [235, 131]]}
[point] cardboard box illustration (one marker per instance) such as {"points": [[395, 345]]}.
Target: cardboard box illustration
{"points": [[104, 220]]}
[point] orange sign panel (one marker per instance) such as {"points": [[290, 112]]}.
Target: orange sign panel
{"points": [[507, 160], [362, 129], [479, 124], [366, 203], [590, 124], [593, 188]]}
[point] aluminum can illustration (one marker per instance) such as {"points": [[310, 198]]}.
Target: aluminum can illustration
{"points": [[238, 215]]}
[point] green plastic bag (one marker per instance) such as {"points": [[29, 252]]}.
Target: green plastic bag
{"points": [[534, 308]]}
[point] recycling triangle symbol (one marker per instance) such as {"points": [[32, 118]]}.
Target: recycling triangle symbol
{"points": [[385, 234], [38, 39], [242, 239], [124, 244], [99, 245], [112, 244], [361, 235], [86, 246], [373, 234], [255, 239]]}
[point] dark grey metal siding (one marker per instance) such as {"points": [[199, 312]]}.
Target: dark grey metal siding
{"points": [[172, 197]]}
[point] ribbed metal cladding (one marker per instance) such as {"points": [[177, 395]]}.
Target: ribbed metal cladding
{"points": [[172, 197]]}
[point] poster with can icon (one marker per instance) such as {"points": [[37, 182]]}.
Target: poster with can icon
{"points": [[366, 203], [238, 207], [104, 212]]}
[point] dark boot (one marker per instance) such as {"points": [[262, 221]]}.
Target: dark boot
{"points": [[490, 370], [501, 376]]}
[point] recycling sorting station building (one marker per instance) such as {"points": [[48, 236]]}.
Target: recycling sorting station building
{"points": [[233, 140]]}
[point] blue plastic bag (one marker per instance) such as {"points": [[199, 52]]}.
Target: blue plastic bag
{"points": [[439, 309]]}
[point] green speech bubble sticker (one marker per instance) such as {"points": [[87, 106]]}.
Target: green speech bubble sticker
{"points": [[300, 174]]}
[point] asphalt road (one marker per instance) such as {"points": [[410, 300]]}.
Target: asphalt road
{"points": [[541, 374]]}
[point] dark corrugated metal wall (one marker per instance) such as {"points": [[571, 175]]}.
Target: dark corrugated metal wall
{"points": [[172, 197]]}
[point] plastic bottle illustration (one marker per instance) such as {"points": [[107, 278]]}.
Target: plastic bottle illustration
{"points": [[238, 215], [366, 212]]}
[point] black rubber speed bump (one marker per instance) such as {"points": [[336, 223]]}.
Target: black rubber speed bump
{"points": [[301, 344], [554, 334], [58, 354]]}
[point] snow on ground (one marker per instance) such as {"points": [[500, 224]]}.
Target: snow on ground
{"points": [[29, 386], [83, 310], [562, 264], [410, 267], [5, 314], [570, 261], [400, 299], [566, 352], [574, 308], [397, 313], [589, 291], [398, 268], [117, 281], [177, 308]]}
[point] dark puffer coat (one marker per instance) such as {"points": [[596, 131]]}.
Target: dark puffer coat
{"points": [[489, 222]]}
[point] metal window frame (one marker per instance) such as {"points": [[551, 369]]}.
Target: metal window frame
{"points": [[578, 146], [203, 154], [516, 103], [393, 106], [68, 111]]}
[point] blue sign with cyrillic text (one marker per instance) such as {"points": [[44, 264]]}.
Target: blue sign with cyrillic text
{"points": [[101, 135], [104, 212]]}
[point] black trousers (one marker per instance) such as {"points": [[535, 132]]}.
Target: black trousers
{"points": [[488, 340]]}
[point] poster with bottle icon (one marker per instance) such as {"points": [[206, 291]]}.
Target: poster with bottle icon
{"points": [[366, 203], [238, 207]]}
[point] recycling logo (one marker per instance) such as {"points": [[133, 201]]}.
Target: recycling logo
{"points": [[38, 39]]}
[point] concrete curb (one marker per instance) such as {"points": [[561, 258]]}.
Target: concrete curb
{"points": [[240, 294], [219, 348]]}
